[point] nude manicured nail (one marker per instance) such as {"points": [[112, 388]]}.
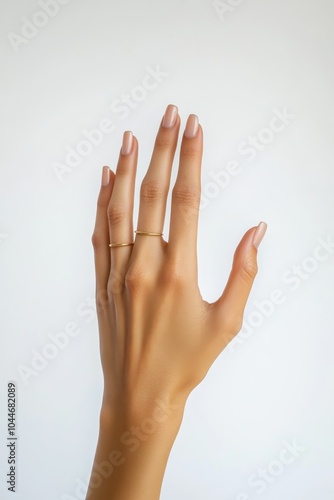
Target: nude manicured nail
{"points": [[105, 176], [127, 143], [191, 127], [170, 116], [259, 233]]}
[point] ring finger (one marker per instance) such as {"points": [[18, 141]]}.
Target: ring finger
{"points": [[120, 208]]}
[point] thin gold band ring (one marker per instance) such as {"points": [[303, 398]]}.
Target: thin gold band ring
{"points": [[120, 244], [147, 233]]}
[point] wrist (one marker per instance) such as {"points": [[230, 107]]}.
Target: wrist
{"points": [[160, 416], [134, 445]]}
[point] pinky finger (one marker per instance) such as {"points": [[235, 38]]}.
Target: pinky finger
{"points": [[100, 237]]}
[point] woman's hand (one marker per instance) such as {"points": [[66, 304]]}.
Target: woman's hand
{"points": [[158, 337]]}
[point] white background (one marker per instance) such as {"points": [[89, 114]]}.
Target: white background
{"points": [[271, 386]]}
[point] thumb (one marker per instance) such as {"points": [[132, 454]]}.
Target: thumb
{"points": [[228, 310]]}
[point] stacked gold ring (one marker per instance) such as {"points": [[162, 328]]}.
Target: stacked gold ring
{"points": [[120, 244], [147, 233]]}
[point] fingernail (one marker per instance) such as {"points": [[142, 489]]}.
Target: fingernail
{"points": [[170, 116], [191, 127], [105, 176], [259, 233], [127, 143]]}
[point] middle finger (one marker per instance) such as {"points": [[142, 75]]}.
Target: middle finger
{"points": [[155, 185]]}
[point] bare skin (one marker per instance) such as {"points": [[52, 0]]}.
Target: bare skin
{"points": [[158, 337]]}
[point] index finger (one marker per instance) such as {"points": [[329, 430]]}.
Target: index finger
{"points": [[182, 241]]}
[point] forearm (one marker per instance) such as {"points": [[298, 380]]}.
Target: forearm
{"points": [[132, 453]]}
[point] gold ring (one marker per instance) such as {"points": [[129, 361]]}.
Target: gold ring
{"points": [[120, 244], [148, 234]]}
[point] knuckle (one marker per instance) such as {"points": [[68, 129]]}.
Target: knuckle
{"points": [[135, 279], [151, 191], [173, 275], [162, 143], [231, 327], [186, 196], [116, 214], [97, 240], [102, 300], [248, 270], [102, 203], [189, 151], [115, 284], [132, 280], [124, 168]]}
